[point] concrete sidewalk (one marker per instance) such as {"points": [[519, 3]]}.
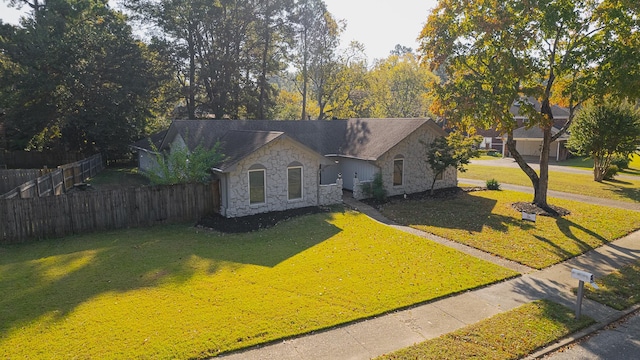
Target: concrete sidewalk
{"points": [[384, 334]]}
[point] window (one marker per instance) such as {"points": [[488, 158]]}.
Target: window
{"points": [[398, 171], [294, 182], [440, 176], [257, 186]]}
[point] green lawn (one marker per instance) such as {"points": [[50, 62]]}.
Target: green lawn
{"points": [[621, 190], [619, 289], [586, 163], [179, 292], [510, 335], [118, 177], [486, 220]]}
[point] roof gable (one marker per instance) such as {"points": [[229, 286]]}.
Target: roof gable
{"points": [[366, 139]]}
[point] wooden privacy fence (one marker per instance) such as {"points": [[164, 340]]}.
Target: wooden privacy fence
{"points": [[89, 211], [58, 181], [10, 179]]}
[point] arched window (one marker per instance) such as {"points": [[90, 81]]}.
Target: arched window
{"points": [[257, 184], [294, 181], [398, 170]]}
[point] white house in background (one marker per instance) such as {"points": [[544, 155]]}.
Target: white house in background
{"points": [[277, 165]]}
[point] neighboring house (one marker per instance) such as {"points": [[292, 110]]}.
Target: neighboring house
{"points": [[529, 141], [278, 165]]}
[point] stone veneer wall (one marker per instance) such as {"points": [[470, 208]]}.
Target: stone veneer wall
{"points": [[275, 158], [331, 194], [417, 172], [358, 193]]}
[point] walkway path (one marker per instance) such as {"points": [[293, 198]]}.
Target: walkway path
{"points": [[387, 333]]}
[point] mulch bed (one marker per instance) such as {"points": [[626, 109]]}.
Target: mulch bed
{"points": [[250, 223], [446, 193], [530, 208]]}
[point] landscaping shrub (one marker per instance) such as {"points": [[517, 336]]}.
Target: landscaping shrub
{"points": [[493, 184], [621, 161], [611, 172], [375, 189]]}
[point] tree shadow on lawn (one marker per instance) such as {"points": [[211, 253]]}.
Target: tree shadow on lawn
{"points": [[56, 276], [627, 192], [566, 228], [464, 212]]}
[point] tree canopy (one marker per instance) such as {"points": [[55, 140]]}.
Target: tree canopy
{"points": [[603, 131], [494, 53], [78, 80]]}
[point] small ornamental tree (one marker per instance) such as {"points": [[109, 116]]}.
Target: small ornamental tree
{"points": [[181, 166], [454, 150], [603, 132]]}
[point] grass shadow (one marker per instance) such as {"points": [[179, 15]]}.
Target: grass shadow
{"points": [[56, 276], [464, 212]]}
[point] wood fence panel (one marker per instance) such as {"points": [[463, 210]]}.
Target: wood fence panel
{"points": [[11, 179], [90, 211]]}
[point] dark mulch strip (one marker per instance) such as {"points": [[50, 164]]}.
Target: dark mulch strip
{"points": [[530, 208], [446, 193], [250, 223]]}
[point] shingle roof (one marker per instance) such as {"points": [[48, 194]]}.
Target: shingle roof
{"points": [[237, 144], [155, 139], [359, 138], [321, 136], [557, 111]]}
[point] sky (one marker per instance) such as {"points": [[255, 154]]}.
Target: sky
{"points": [[378, 24]]}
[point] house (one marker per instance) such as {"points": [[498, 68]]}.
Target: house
{"points": [[529, 140], [278, 165]]}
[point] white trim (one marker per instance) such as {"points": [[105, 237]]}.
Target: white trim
{"points": [[264, 186], [301, 183]]}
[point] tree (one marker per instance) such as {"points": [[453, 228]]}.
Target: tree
{"points": [[495, 53], [84, 82], [317, 37], [603, 131], [455, 150], [224, 52], [181, 166], [400, 87]]}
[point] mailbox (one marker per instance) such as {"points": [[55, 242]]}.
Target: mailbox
{"points": [[582, 276]]}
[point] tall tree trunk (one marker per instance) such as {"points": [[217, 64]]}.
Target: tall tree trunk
{"points": [[305, 74], [598, 171], [533, 176], [540, 198], [265, 61], [191, 97]]}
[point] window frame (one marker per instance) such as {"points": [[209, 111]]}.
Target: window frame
{"points": [[264, 186], [292, 167], [393, 179]]}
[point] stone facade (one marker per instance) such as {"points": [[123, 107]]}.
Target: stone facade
{"points": [[331, 194], [417, 174], [275, 158]]}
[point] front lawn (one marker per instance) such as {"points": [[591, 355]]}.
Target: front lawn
{"points": [[510, 335], [180, 292], [582, 184], [620, 289], [486, 220]]}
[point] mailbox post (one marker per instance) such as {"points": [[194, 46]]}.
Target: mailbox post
{"points": [[583, 277]]}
